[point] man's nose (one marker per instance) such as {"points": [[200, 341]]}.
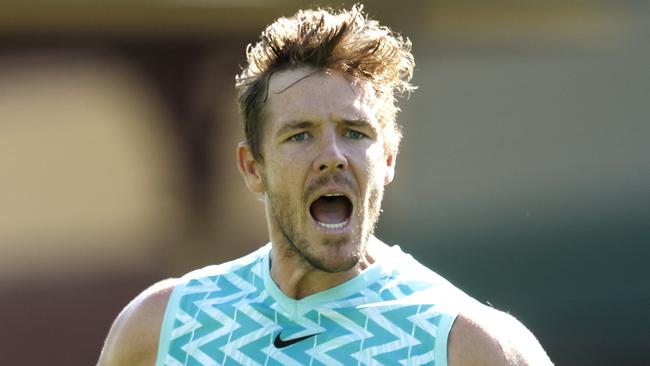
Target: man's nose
{"points": [[331, 155]]}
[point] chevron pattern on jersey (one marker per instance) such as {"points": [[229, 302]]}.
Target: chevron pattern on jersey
{"points": [[231, 319]]}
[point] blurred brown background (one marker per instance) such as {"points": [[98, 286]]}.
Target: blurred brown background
{"points": [[524, 176]]}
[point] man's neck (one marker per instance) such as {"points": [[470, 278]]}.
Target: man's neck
{"points": [[298, 279]]}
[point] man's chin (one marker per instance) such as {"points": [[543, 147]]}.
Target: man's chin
{"points": [[334, 257], [333, 265], [330, 252]]}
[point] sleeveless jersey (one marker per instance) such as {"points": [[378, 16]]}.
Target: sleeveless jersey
{"points": [[395, 312]]}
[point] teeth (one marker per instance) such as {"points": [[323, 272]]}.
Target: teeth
{"points": [[333, 195], [340, 225]]}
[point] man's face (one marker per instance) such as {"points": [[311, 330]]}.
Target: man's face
{"points": [[324, 166]]}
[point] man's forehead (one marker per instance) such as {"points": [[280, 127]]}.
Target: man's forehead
{"points": [[281, 81], [320, 84], [284, 80]]}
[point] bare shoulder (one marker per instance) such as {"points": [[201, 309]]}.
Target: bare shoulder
{"points": [[482, 335], [133, 338]]}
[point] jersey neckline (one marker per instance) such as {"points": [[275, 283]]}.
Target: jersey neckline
{"points": [[296, 308]]}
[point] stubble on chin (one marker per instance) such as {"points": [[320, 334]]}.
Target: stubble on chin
{"points": [[295, 244]]}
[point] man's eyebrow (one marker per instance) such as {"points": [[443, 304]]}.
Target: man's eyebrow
{"points": [[360, 123], [295, 125]]}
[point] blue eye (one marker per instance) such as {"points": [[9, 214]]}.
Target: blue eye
{"points": [[355, 135], [299, 137]]}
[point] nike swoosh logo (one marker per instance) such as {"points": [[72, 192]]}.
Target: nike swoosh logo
{"points": [[279, 343]]}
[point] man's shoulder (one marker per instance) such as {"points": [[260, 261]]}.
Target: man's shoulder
{"points": [[133, 338], [134, 335], [482, 335]]}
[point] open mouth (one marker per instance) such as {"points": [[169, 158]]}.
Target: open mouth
{"points": [[331, 211]]}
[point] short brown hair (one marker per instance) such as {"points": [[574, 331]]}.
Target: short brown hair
{"points": [[345, 41]]}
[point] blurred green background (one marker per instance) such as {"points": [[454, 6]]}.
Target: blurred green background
{"points": [[523, 177]]}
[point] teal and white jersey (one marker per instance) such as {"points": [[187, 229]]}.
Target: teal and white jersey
{"points": [[396, 312]]}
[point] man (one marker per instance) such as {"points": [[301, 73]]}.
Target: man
{"points": [[317, 97]]}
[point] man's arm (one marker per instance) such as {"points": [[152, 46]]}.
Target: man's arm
{"points": [[485, 336], [133, 338]]}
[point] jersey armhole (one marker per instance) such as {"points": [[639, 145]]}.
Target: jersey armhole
{"points": [[442, 334], [167, 326]]}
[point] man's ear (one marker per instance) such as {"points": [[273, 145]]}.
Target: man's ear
{"points": [[391, 160], [249, 168]]}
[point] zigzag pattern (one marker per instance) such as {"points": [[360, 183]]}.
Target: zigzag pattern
{"points": [[230, 319]]}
